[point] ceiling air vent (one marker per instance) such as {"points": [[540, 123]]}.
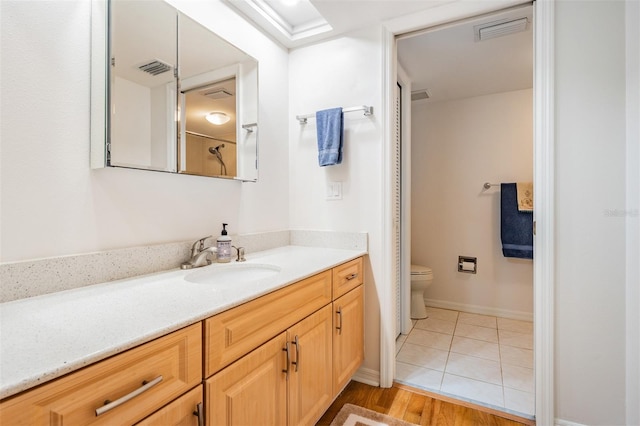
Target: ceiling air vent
{"points": [[417, 95], [499, 28], [155, 67], [216, 94]]}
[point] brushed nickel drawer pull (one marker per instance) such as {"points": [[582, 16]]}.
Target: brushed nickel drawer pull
{"points": [[286, 350], [111, 405], [352, 276], [297, 361], [199, 413]]}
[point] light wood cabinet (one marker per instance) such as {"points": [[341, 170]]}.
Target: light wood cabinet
{"points": [[251, 391], [234, 333], [310, 384], [284, 381], [348, 337], [320, 347], [184, 411], [152, 374]]}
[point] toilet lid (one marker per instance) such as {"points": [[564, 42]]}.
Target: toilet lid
{"points": [[420, 270]]}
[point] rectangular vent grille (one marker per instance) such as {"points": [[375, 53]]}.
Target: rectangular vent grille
{"points": [[217, 94], [419, 94], [155, 67], [500, 28]]}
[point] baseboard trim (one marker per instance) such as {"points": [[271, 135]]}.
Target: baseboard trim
{"points": [[367, 376], [482, 310], [560, 422]]}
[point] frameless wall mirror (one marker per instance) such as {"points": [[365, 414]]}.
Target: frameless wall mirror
{"points": [[178, 97]]}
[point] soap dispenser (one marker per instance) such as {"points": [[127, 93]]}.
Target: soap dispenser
{"points": [[224, 246]]}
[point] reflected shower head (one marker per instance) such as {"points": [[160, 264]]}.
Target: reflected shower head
{"points": [[216, 151]]}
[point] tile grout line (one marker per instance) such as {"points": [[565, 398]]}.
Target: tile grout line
{"points": [[453, 333], [504, 395]]}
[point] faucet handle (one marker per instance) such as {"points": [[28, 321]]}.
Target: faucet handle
{"points": [[198, 246], [240, 251]]}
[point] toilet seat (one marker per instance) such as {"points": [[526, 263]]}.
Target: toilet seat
{"points": [[419, 270]]}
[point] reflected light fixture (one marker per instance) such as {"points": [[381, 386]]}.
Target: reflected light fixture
{"points": [[218, 118]]}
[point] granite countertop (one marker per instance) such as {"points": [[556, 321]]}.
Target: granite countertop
{"points": [[47, 336]]}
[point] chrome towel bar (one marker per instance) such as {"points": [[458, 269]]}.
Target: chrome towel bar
{"points": [[488, 185], [368, 110]]}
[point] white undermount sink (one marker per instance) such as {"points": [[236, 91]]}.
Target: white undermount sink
{"points": [[236, 273]]}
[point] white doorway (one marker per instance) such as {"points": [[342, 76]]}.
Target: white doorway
{"points": [[472, 113], [543, 95]]}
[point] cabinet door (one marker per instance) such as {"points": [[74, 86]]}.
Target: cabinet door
{"points": [[252, 390], [348, 337], [310, 380], [184, 411]]}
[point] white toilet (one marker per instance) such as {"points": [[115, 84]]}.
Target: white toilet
{"points": [[421, 278]]}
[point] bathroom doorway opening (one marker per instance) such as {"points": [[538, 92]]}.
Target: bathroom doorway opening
{"points": [[461, 349]]}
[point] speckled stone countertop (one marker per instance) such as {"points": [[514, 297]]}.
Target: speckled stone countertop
{"points": [[47, 336]]}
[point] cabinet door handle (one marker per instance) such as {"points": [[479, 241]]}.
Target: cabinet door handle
{"points": [[108, 405], [339, 326], [286, 350], [297, 361], [199, 413], [352, 276]]}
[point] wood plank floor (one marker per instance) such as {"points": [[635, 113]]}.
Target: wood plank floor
{"points": [[417, 407]]}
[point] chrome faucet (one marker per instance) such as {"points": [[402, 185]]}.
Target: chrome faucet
{"points": [[200, 255], [240, 251]]}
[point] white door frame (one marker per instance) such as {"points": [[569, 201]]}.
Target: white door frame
{"points": [[543, 122], [405, 201]]}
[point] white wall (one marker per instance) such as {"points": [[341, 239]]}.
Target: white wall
{"points": [[343, 72], [51, 202], [590, 182], [456, 147], [632, 15]]}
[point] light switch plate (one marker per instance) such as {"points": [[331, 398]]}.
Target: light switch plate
{"points": [[334, 191]]}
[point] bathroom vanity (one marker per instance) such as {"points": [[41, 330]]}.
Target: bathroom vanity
{"points": [[273, 350]]}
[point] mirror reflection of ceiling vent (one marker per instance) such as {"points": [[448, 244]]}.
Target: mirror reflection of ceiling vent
{"points": [[155, 67], [499, 28], [217, 94]]}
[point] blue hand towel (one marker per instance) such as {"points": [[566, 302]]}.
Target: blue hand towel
{"points": [[330, 129], [516, 227]]}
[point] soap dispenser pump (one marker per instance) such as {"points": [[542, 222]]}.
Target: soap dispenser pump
{"points": [[224, 246]]}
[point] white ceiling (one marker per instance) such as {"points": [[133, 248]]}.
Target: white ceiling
{"points": [[450, 64], [447, 61], [297, 25]]}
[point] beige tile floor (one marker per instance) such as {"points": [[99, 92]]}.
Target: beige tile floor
{"points": [[479, 358]]}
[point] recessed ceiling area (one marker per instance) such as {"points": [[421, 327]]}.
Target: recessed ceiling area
{"points": [[451, 62], [295, 23], [288, 21]]}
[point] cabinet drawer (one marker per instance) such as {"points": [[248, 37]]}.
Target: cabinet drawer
{"points": [[74, 399], [347, 276], [233, 333], [183, 411]]}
